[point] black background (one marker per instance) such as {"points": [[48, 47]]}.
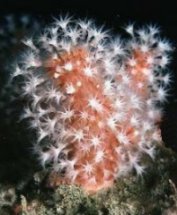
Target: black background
{"points": [[114, 15]]}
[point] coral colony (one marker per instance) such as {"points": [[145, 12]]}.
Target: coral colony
{"points": [[94, 101]]}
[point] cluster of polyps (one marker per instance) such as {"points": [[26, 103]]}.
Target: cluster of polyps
{"points": [[94, 101]]}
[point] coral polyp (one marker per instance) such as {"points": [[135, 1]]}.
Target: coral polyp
{"points": [[93, 99]]}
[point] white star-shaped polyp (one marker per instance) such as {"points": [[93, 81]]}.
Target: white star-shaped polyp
{"points": [[150, 60], [92, 180], [71, 163], [161, 94], [78, 135], [111, 122], [132, 62], [140, 85], [164, 45], [139, 169], [144, 48], [70, 89], [72, 174], [135, 101], [45, 157], [147, 126], [126, 79], [122, 138], [58, 69], [119, 104], [134, 120], [133, 159], [164, 60], [68, 66], [42, 134], [166, 79], [84, 147], [150, 151], [88, 168], [95, 104], [84, 115], [95, 141], [50, 124], [17, 72], [99, 156], [67, 114], [130, 29], [152, 114], [146, 71], [108, 85], [88, 71]]}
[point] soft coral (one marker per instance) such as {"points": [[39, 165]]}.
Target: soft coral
{"points": [[94, 104]]}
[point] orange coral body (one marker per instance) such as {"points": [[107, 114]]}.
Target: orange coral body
{"points": [[101, 174]]}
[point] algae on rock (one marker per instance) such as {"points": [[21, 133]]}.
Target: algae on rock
{"points": [[153, 193]]}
